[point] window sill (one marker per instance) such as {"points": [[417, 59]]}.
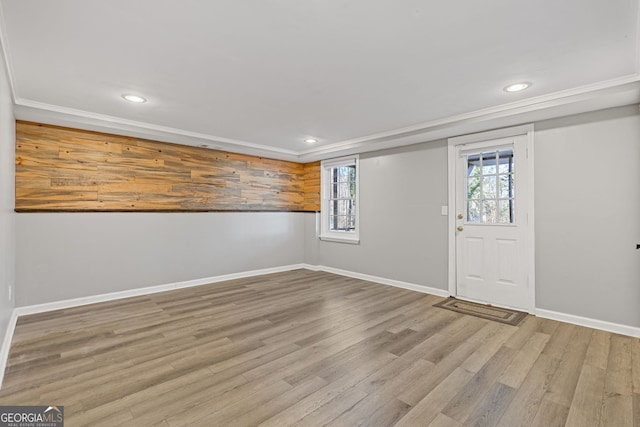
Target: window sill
{"points": [[349, 240]]}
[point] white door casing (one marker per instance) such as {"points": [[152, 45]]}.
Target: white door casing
{"points": [[491, 250]]}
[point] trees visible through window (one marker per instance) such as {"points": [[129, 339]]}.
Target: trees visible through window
{"points": [[490, 187], [339, 210], [342, 198]]}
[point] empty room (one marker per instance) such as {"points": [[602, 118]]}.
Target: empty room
{"points": [[340, 213]]}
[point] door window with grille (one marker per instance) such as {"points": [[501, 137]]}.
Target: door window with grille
{"points": [[490, 195]]}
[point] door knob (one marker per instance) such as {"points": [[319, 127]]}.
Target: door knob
{"points": [[459, 228]]}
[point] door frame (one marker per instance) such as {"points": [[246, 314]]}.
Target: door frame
{"points": [[527, 130]]}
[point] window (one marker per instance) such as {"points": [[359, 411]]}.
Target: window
{"points": [[339, 206], [490, 187]]}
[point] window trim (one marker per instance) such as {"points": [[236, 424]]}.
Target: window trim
{"points": [[352, 237]]}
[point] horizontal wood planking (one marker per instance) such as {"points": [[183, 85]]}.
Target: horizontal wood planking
{"points": [[62, 169], [312, 186]]}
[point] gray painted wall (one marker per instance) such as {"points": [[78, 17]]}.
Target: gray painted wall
{"points": [[588, 215], [587, 197], [70, 255], [403, 235], [587, 210], [7, 192]]}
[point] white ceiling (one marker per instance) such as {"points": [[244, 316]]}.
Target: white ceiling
{"points": [[259, 76]]}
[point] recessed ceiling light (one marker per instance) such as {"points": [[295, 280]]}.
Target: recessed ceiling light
{"points": [[517, 87], [134, 98], [310, 141]]}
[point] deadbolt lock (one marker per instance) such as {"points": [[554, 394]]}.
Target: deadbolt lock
{"points": [[460, 216]]}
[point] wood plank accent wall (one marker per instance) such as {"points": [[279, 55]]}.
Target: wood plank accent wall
{"points": [[312, 186], [68, 170]]}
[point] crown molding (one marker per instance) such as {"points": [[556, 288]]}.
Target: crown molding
{"points": [[607, 94], [529, 104], [56, 115]]}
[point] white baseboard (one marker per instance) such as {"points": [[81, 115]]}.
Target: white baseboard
{"points": [[6, 343], [397, 283], [58, 305], [75, 302], [547, 314], [590, 323]]}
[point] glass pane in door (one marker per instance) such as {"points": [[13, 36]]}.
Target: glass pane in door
{"points": [[490, 195]]}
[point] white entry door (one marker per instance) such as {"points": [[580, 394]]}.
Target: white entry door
{"points": [[491, 222]]}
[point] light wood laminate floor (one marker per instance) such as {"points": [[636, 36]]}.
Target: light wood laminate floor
{"points": [[311, 348]]}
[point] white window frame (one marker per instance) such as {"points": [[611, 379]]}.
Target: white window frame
{"points": [[325, 179]]}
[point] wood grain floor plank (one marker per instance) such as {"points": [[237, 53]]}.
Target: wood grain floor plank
{"points": [[489, 340], [169, 403], [547, 326], [415, 322], [259, 406], [117, 418], [327, 365], [416, 391], [636, 409], [526, 402], [312, 348], [313, 402], [557, 345], [489, 411], [443, 421], [451, 341], [563, 385], [550, 414], [428, 408], [467, 399], [307, 356], [635, 355], [526, 329], [619, 368], [618, 411], [586, 407], [393, 378], [618, 386], [327, 413], [387, 414], [635, 367], [420, 332], [381, 388], [526, 357], [598, 352]]}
